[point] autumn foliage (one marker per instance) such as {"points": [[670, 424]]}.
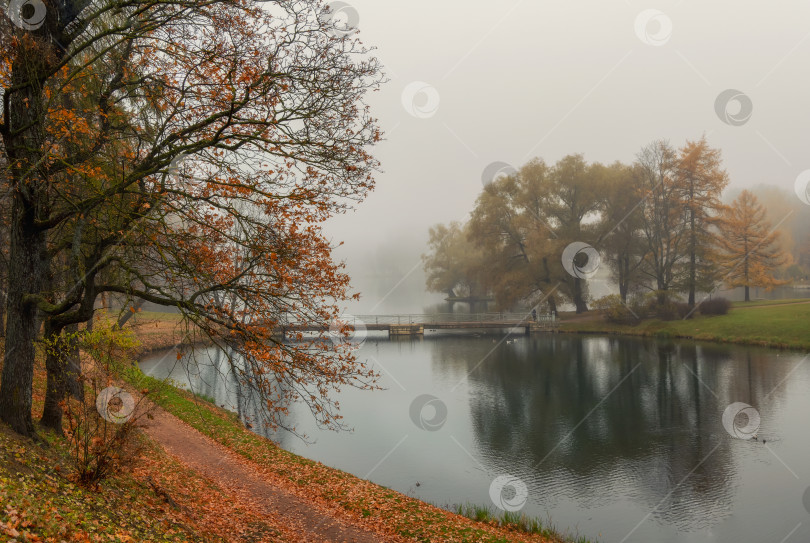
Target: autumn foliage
{"points": [[650, 222], [185, 154], [748, 248]]}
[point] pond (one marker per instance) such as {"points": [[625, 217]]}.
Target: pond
{"points": [[616, 439]]}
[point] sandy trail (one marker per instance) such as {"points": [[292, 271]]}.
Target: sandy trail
{"points": [[250, 486]]}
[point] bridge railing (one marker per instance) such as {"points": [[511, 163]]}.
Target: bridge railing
{"points": [[433, 318]]}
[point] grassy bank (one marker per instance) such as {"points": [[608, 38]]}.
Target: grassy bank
{"points": [[783, 324]]}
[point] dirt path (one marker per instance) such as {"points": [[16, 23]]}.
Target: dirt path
{"points": [[236, 476]]}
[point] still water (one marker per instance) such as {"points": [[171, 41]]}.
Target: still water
{"points": [[616, 439]]}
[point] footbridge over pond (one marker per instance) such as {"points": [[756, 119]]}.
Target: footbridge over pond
{"points": [[417, 324]]}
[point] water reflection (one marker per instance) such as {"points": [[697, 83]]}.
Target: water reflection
{"points": [[599, 419], [612, 435], [215, 374]]}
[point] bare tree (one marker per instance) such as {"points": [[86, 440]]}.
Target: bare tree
{"points": [[663, 217]]}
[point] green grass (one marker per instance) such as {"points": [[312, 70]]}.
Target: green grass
{"points": [[517, 521], [755, 303], [781, 326]]}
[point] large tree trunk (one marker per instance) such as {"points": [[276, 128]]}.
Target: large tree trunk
{"points": [[2, 310], [55, 359], [661, 296], [64, 372], [27, 267], [579, 297], [28, 263]]}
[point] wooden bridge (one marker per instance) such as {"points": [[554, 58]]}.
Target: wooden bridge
{"points": [[415, 324]]}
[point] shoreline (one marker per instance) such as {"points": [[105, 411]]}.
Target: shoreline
{"points": [[707, 339], [783, 325]]}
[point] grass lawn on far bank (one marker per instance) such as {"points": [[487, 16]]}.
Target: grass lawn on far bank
{"points": [[777, 323]]}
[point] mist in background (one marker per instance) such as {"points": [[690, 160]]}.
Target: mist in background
{"points": [[476, 82]]}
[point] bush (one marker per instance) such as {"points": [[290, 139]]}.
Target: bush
{"points": [[685, 311], [100, 424], [671, 309], [648, 306], [667, 311], [716, 306], [614, 310]]}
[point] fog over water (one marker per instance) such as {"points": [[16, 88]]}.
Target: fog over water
{"points": [[513, 80]]}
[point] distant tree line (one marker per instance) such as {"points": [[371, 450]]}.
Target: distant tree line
{"points": [[658, 224]]}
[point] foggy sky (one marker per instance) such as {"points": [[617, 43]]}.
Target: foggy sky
{"points": [[521, 79]]}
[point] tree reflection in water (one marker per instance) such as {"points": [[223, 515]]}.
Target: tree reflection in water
{"points": [[546, 405]]}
